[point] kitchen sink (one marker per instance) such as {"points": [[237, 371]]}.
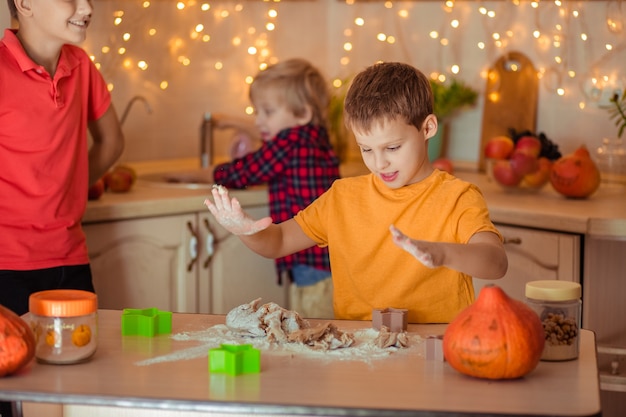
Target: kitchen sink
{"points": [[201, 178]]}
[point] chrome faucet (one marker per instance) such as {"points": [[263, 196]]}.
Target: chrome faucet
{"points": [[130, 104], [206, 141]]}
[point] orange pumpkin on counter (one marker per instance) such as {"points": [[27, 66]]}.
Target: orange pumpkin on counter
{"points": [[17, 342], [575, 175], [497, 337]]}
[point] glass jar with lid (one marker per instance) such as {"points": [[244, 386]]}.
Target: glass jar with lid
{"points": [[65, 325], [558, 305], [611, 160]]}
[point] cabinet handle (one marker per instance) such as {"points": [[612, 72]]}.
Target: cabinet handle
{"points": [[193, 247], [210, 241], [520, 250]]}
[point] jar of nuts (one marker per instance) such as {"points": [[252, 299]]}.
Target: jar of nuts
{"points": [[558, 305]]}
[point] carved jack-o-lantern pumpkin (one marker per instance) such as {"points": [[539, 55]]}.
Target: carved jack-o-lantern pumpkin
{"points": [[496, 337]]}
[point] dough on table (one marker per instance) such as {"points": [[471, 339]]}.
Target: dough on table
{"points": [[284, 326], [387, 338], [323, 337]]}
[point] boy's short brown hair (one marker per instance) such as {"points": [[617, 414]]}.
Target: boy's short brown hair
{"points": [[388, 91], [300, 84], [12, 8]]}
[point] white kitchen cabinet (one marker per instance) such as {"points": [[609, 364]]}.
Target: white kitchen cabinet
{"points": [[237, 275], [182, 263], [141, 263], [536, 255], [604, 311]]}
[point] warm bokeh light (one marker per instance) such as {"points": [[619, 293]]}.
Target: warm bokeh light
{"points": [[554, 38]]}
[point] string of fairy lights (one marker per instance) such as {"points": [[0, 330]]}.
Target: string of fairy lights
{"points": [[562, 42]]}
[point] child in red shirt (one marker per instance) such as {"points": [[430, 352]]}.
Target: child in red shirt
{"points": [[51, 94]]}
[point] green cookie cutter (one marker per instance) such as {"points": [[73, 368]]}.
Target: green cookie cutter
{"points": [[235, 359], [146, 322]]}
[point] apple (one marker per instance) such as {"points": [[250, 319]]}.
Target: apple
{"points": [[119, 181], [128, 169], [504, 174], [523, 163], [443, 164], [499, 147], [529, 145], [96, 190], [541, 175]]}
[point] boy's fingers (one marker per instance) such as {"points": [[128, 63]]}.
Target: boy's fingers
{"points": [[220, 197], [217, 202], [235, 205], [209, 204]]}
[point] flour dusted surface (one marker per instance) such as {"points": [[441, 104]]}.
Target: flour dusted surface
{"points": [[279, 332]]}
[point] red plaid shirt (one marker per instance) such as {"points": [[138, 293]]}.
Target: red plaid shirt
{"points": [[298, 165]]}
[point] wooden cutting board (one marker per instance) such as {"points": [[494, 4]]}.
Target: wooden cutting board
{"points": [[510, 98]]}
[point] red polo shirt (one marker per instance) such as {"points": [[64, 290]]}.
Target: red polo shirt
{"points": [[43, 155]]}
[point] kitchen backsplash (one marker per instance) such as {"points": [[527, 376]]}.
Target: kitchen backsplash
{"points": [[187, 61]]}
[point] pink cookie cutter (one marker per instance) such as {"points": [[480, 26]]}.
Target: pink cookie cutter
{"points": [[393, 318], [434, 348]]}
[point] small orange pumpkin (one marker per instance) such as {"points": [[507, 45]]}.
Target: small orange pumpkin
{"points": [[575, 175], [497, 337], [17, 342]]}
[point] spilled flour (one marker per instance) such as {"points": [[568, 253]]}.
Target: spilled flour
{"points": [[277, 331], [363, 349]]}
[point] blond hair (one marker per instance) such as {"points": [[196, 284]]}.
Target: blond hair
{"points": [[300, 84]]}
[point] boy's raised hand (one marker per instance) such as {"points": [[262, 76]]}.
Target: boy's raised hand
{"points": [[419, 249], [229, 214]]}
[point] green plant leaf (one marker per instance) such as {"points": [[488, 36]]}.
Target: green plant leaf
{"points": [[619, 112], [451, 97]]}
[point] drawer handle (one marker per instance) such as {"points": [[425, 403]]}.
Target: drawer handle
{"points": [[528, 255], [210, 244], [193, 247]]}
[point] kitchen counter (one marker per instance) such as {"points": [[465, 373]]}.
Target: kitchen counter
{"points": [[147, 199], [602, 215], [400, 384], [150, 201]]}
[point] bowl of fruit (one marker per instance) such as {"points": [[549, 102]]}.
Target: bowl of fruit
{"points": [[521, 161]]}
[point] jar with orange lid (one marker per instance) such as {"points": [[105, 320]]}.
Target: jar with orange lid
{"points": [[65, 325], [558, 305]]}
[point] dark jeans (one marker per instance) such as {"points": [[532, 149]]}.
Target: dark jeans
{"points": [[5, 409], [17, 286]]}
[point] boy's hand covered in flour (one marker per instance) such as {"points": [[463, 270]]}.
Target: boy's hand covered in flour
{"points": [[420, 249], [229, 214]]}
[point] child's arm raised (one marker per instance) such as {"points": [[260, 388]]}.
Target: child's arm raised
{"points": [[262, 236], [482, 257]]}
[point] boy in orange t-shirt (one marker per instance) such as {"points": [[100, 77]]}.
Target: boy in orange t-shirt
{"points": [[389, 107]]}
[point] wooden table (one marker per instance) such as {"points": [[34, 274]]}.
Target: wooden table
{"points": [[401, 384]]}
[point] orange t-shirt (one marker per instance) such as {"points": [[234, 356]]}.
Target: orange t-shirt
{"points": [[369, 271], [44, 155]]}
